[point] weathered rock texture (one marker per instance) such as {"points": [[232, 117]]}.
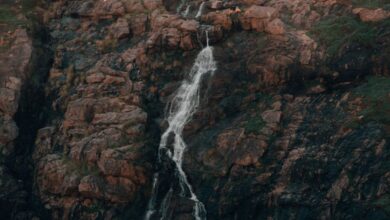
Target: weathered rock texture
{"points": [[290, 127]]}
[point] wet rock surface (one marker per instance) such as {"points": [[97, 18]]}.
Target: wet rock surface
{"points": [[288, 126]]}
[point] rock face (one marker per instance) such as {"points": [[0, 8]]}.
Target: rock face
{"points": [[14, 72], [371, 15], [257, 17], [286, 129]]}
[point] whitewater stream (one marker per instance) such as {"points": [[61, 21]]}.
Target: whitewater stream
{"points": [[179, 112]]}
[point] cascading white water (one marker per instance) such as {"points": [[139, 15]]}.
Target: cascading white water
{"points": [[200, 10], [187, 11], [181, 5], [181, 108]]}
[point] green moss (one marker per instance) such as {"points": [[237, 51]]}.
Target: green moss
{"points": [[376, 89], [372, 3], [8, 16], [81, 167], [254, 125], [337, 32], [375, 94], [264, 97], [96, 207], [353, 124], [28, 5], [107, 45], [311, 83], [383, 203]]}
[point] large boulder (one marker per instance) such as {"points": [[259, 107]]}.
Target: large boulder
{"points": [[256, 17], [371, 15]]}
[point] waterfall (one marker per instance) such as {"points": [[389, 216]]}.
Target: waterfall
{"points": [[187, 11], [200, 11], [179, 112], [181, 5]]}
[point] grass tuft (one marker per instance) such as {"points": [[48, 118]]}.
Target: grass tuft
{"points": [[376, 97], [337, 32], [254, 125], [372, 3]]}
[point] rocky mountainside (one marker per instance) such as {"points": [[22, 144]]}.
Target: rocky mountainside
{"points": [[293, 124]]}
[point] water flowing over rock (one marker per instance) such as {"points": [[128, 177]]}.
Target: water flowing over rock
{"points": [[180, 111], [115, 109], [200, 10]]}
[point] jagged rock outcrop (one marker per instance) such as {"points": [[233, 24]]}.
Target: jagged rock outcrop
{"points": [[14, 68], [294, 123], [23, 66]]}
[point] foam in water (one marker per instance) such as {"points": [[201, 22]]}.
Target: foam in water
{"points": [[180, 110]]}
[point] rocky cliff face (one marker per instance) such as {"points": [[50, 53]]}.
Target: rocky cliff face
{"points": [[294, 123]]}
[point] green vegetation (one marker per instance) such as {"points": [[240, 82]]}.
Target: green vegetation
{"points": [[376, 97], [9, 11], [94, 208], [12, 16], [81, 167], [372, 3], [383, 203], [264, 97], [8, 17], [311, 83], [28, 5], [337, 32], [107, 45], [353, 123], [254, 125]]}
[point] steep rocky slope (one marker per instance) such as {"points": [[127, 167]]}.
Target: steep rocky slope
{"points": [[294, 123]]}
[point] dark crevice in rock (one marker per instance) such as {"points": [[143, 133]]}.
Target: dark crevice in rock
{"points": [[31, 115]]}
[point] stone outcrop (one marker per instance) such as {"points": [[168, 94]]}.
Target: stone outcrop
{"points": [[257, 17], [371, 15], [286, 130]]}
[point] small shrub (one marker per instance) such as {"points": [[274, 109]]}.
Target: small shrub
{"points": [[376, 98], [8, 16], [337, 32], [96, 207], [28, 5], [80, 167], [107, 45], [383, 203], [372, 3], [254, 125]]}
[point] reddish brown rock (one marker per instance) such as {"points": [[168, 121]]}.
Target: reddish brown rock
{"points": [[134, 6], [216, 4], [189, 25], [108, 8], [186, 42], [44, 143], [91, 187], [271, 116], [120, 29], [171, 37], [221, 18], [95, 78], [253, 2], [9, 101], [276, 26], [133, 116], [371, 15], [56, 176], [119, 189], [8, 132], [256, 17], [138, 24]]}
